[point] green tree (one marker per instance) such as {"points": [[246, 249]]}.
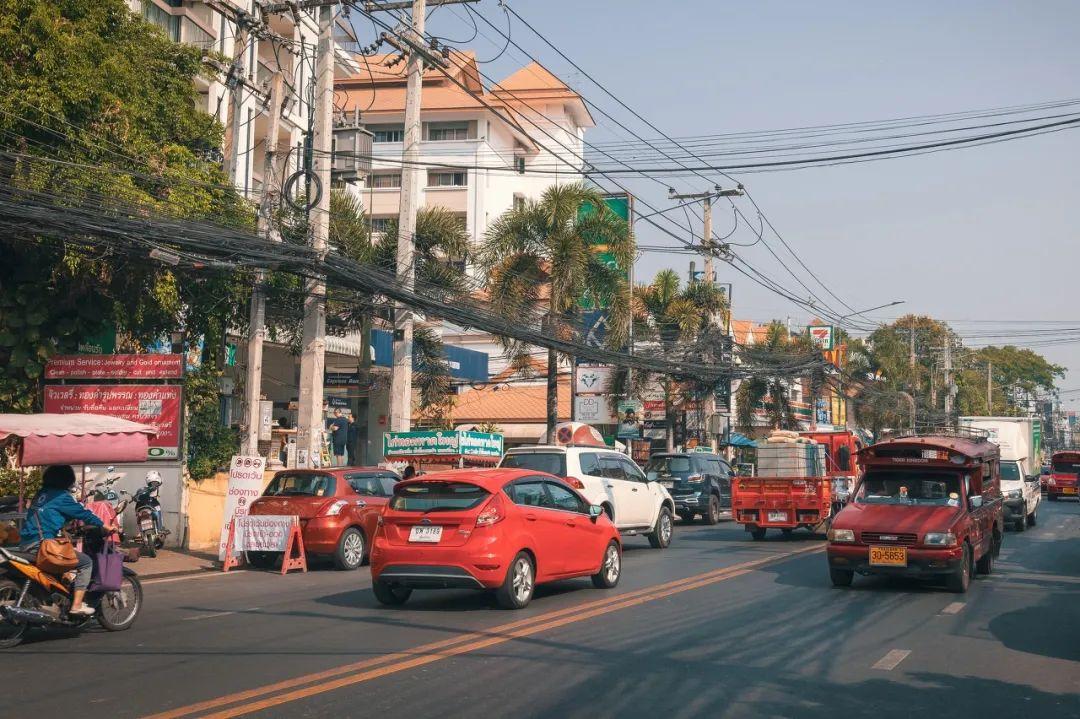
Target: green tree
{"points": [[541, 256], [671, 315], [770, 392]]}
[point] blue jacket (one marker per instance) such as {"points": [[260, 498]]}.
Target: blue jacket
{"points": [[53, 508]]}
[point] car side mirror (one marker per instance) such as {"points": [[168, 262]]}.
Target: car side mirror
{"points": [[975, 502], [595, 510]]}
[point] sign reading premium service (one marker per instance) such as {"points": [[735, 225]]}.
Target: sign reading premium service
{"points": [[156, 405], [140, 366], [448, 443]]}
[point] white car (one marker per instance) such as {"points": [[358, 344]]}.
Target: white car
{"points": [[1022, 495], [610, 479]]}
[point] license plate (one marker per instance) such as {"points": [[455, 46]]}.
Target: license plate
{"points": [[146, 524], [1068, 490], [778, 516], [668, 484], [424, 533], [888, 556]]}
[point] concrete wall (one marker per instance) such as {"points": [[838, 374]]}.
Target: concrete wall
{"points": [[132, 479]]}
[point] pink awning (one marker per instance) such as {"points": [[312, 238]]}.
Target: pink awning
{"points": [[76, 438]]}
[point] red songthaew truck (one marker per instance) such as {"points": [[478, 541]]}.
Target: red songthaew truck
{"points": [[841, 461]]}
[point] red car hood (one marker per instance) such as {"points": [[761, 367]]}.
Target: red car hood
{"points": [[896, 518], [303, 507]]}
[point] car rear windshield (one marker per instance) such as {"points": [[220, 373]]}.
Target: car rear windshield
{"points": [[300, 485], [1066, 467], [437, 497], [668, 467], [550, 462], [910, 487]]}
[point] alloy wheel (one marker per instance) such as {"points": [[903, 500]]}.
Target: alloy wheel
{"points": [[612, 564], [523, 580], [353, 548], [665, 527]]}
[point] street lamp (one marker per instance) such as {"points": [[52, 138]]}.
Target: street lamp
{"points": [[879, 307]]}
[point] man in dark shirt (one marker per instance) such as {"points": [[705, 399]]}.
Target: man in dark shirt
{"points": [[339, 436]]}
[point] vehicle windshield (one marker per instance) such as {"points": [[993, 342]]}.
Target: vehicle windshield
{"points": [[300, 485], [668, 467], [910, 487], [1010, 471], [550, 462], [437, 497], [1062, 467], [372, 485]]}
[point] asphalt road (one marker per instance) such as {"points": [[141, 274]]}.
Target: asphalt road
{"points": [[717, 625]]}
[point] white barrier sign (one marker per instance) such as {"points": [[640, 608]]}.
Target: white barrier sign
{"points": [[245, 485], [263, 532]]}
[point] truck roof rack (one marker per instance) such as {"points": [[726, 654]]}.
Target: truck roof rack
{"points": [[969, 433]]}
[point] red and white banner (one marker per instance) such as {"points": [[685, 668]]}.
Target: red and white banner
{"points": [[245, 486], [263, 532], [157, 405], [142, 366]]}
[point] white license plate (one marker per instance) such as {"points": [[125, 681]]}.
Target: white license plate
{"points": [[778, 516], [146, 524], [669, 484], [424, 533]]}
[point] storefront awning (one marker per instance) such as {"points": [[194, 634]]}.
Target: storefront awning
{"points": [[76, 438]]}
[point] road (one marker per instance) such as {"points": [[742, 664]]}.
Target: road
{"points": [[718, 626]]}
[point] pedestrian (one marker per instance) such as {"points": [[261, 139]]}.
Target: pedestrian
{"points": [[353, 441], [409, 473], [339, 435]]}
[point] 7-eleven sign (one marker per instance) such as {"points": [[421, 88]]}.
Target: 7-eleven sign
{"points": [[822, 335]]}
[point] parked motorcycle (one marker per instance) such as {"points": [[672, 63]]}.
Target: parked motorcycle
{"points": [[152, 532], [104, 491], [30, 597]]}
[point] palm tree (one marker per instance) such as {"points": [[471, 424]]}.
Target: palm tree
{"points": [[754, 390], [672, 315], [542, 255]]}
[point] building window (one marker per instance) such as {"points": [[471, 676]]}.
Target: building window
{"points": [[387, 133], [447, 179], [385, 181], [160, 17], [380, 224], [437, 131], [519, 201]]}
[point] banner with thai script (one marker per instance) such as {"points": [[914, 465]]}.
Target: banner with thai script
{"points": [[156, 405]]}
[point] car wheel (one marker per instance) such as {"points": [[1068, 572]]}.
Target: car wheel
{"points": [[959, 580], [390, 596], [712, 514], [660, 537], [349, 554], [1033, 518], [985, 565], [758, 533], [841, 577], [517, 589], [1052, 497], [610, 567], [262, 560], [1021, 524]]}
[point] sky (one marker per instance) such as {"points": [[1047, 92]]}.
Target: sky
{"points": [[975, 236]]}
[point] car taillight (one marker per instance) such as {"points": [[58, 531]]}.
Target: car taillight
{"points": [[492, 513], [334, 509], [695, 479], [575, 482]]}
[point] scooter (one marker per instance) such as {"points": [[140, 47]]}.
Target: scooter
{"points": [[152, 532], [29, 597], [119, 499]]}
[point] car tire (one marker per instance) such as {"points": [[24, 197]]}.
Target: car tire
{"points": [[1021, 524], [841, 577], [610, 567], [1051, 497], [350, 551], [712, 513], [660, 536], [959, 581], [262, 560], [517, 589], [786, 531], [1033, 518], [758, 533], [985, 565], [390, 596]]}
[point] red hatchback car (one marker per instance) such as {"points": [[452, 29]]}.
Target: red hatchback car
{"points": [[338, 509], [501, 529]]}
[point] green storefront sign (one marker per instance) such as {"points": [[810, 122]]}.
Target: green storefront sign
{"points": [[446, 443]]}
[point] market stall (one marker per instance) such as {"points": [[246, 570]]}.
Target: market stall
{"points": [[456, 448]]}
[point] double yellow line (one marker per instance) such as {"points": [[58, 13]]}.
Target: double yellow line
{"points": [[308, 685]]}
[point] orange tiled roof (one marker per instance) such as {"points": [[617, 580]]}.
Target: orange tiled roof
{"points": [[514, 403], [747, 332]]}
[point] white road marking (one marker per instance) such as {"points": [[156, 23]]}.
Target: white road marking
{"points": [[889, 662], [186, 577], [953, 608], [218, 614]]}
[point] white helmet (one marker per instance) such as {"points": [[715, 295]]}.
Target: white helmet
{"points": [[153, 477]]}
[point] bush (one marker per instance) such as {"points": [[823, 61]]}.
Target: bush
{"points": [[9, 482]]}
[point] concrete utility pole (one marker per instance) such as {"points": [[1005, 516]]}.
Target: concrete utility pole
{"points": [[949, 389], [989, 388], [309, 426], [235, 81], [257, 321]]}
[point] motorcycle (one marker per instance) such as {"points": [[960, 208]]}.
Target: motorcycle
{"points": [[119, 499], [29, 597], [152, 532]]}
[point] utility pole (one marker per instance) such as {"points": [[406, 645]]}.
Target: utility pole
{"points": [[235, 82], [257, 321], [949, 389], [989, 388], [309, 426]]}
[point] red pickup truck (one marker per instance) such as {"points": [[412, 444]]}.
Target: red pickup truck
{"points": [[1062, 481], [924, 506]]}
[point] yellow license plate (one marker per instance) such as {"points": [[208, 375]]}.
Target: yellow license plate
{"points": [[888, 556], [1068, 490]]}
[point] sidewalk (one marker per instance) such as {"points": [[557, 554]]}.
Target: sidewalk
{"points": [[172, 563]]}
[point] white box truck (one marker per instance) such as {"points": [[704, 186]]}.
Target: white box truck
{"points": [[1019, 439]]}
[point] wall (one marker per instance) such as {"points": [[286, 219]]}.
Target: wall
{"points": [[206, 508], [132, 479]]}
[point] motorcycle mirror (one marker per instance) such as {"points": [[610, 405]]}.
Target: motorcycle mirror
{"points": [[110, 469]]}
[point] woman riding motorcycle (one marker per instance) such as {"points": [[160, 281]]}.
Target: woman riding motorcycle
{"points": [[51, 508]]}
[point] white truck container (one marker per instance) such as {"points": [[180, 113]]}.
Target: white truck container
{"points": [[1019, 439]]}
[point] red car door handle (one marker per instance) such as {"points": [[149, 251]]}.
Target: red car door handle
{"points": [[571, 523], [361, 503], [530, 517]]}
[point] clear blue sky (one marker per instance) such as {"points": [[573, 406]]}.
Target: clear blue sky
{"points": [[978, 234]]}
